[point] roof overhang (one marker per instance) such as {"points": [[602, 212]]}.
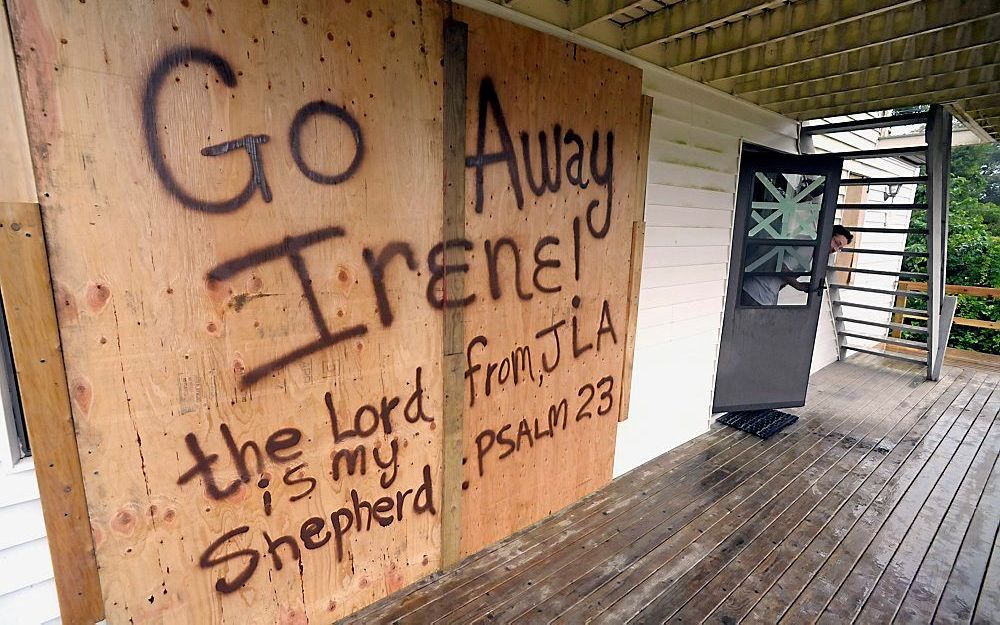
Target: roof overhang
{"points": [[807, 59]]}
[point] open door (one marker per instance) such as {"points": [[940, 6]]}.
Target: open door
{"points": [[781, 241]]}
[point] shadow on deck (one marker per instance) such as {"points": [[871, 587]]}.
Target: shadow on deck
{"points": [[880, 505]]}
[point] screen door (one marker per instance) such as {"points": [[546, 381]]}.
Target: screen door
{"points": [[781, 242]]}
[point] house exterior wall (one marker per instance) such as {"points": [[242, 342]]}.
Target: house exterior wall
{"points": [[690, 200], [27, 588], [695, 143], [879, 194]]}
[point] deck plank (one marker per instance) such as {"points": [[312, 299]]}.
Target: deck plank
{"points": [[988, 602], [675, 506], [773, 545], [774, 601], [609, 584], [702, 451], [940, 554], [716, 448], [831, 512], [912, 483], [478, 578], [668, 579], [962, 589], [881, 503], [893, 556]]}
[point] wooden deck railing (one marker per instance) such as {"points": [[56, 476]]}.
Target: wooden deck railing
{"points": [[949, 289]]}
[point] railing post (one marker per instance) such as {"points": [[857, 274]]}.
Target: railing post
{"points": [[898, 317], [938, 135]]}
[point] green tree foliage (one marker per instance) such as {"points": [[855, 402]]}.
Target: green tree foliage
{"points": [[973, 241]]}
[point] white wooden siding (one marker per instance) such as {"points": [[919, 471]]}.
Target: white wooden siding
{"points": [[690, 198], [27, 589], [694, 160], [874, 168]]}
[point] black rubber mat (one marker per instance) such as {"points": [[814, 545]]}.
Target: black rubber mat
{"points": [[762, 423]]}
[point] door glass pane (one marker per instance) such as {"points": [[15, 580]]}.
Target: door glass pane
{"points": [[762, 258], [785, 206], [781, 236]]}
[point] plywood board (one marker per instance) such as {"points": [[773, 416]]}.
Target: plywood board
{"points": [[16, 181], [329, 322], [552, 139], [239, 201], [34, 342]]}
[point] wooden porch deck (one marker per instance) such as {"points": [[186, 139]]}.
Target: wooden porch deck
{"points": [[882, 504]]}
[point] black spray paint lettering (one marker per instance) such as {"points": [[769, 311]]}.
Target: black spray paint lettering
{"points": [[304, 115], [516, 367], [250, 143], [502, 257], [605, 179], [315, 533], [489, 101], [275, 447], [578, 350], [348, 461], [376, 267], [545, 263], [549, 366], [547, 182], [493, 266], [528, 432], [290, 479], [491, 109], [151, 126], [291, 249], [435, 295], [368, 418]]}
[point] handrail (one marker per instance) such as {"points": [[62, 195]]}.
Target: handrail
{"points": [[949, 289], [953, 289]]}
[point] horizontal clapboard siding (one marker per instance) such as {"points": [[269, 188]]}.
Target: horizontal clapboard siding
{"points": [[690, 197], [871, 168], [27, 588], [33, 604]]}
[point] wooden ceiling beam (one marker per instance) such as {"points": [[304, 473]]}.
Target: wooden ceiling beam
{"points": [[986, 101], [583, 13], [919, 20], [769, 28], [686, 17], [815, 108], [970, 123], [554, 12], [887, 74], [964, 36], [923, 87], [986, 113]]}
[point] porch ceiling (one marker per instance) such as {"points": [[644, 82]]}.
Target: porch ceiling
{"points": [[808, 58]]}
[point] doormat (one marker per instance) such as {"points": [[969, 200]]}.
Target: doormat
{"points": [[762, 423]]}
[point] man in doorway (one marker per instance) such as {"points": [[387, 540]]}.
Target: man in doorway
{"points": [[763, 290]]}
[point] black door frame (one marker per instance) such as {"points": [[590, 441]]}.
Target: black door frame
{"points": [[741, 372]]}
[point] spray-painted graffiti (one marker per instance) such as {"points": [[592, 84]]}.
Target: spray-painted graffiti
{"points": [[366, 440], [358, 449]]}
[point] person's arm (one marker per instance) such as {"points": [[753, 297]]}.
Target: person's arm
{"points": [[793, 282]]}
